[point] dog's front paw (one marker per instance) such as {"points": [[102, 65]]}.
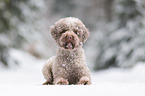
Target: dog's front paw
{"points": [[47, 83], [62, 81], [84, 81]]}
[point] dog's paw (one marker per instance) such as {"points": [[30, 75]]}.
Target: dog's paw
{"points": [[62, 81], [84, 81], [47, 83]]}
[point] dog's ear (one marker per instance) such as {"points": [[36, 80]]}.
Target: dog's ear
{"points": [[85, 35], [53, 32]]}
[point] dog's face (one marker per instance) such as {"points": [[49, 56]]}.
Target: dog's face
{"points": [[70, 33]]}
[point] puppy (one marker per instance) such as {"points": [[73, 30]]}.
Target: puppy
{"points": [[69, 65]]}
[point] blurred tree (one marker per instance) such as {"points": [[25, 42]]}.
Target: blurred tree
{"points": [[11, 14], [63, 7], [116, 25], [91, 12], [124, 45]]}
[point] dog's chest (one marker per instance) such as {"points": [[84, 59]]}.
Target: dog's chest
{"points": [[70, 62], [71, 69], [69, 65], [72, 72]]}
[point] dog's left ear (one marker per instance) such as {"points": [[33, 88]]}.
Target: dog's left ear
{"points": [[85, 35], [53, 32]]}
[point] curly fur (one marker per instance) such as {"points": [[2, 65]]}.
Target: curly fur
{"points": [[69, 65]]}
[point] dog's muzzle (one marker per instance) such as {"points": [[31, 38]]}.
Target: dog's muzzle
{"points": [[69, 40]]}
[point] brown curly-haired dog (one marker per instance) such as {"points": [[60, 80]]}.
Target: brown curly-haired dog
{"points": [[69, 65]]}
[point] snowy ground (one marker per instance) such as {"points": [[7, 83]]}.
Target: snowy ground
{"points": [[27, 79]]}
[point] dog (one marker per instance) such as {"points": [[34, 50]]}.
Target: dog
{"points": [[69, 65]]}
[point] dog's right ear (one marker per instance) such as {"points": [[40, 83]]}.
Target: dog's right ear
{"points": [[85, 34], [53, 32]]}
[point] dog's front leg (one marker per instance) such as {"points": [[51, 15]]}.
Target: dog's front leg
{"points": [[84, 81], [61, 81]]}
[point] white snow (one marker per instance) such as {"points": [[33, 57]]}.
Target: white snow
{"points": [[26, 80], [63, 64], [72, 19]]}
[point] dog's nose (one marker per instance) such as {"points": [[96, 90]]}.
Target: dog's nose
{"points": [[69, 37]]}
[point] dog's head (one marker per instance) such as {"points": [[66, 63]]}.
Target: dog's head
{"points": [[70, 33]]}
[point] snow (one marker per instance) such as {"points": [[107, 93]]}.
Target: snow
{"points": [[133, 75], [26, 79], [72, 19]]}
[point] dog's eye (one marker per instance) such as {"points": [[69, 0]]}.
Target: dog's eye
{"points": [[63, 31], [77, 32]]}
